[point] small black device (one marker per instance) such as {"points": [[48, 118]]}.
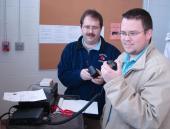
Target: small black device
{"points": [[112, 64], [32, 113], [93, 71], [32, 116], [51, 93]]}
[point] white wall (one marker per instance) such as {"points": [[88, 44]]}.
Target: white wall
{"points": [[161, 20], [19, 69]]}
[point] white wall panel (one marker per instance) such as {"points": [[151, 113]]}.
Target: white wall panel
{"points": [[159, 10], [19, 69]]}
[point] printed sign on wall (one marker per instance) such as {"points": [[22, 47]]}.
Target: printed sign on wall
{"points": [[114, 31]]}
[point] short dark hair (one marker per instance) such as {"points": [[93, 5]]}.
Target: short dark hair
{"points": [[94, 14], [140, 14]]}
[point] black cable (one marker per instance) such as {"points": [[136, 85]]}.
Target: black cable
{"points": [[77, 113], [9, 112], [4, 115], [65, 120]]}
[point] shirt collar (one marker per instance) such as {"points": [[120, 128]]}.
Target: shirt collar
{"points": [[127, 57], [97, 46]]}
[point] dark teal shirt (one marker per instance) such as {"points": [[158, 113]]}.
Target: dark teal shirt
{"points": [[128, 63]]}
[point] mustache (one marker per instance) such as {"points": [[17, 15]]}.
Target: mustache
{"points": [[90, 34]]}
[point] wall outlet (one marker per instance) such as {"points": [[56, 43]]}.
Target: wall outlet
{"points": [[19, 46], [5, 46]]}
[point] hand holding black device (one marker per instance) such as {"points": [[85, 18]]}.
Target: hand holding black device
{"points": [[112, 64], [93, 71]]}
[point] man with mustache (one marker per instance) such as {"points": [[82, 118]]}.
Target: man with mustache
{"points": [[90, 49]]}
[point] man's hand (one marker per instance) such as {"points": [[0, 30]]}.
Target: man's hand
{"points": [[108, 73], [98, 80], [84, 74]]}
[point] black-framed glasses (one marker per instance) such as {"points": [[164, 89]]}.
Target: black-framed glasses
{"points": [[130, 33], [90, 27]]}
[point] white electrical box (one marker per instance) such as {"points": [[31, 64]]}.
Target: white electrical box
{"points": [[46, 82]]}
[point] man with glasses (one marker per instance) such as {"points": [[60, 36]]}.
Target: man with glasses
{"points": [[138, 92], [90, 50]]}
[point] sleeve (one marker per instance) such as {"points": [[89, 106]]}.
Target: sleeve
{"points": [[145, 109], [66, 74]]}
